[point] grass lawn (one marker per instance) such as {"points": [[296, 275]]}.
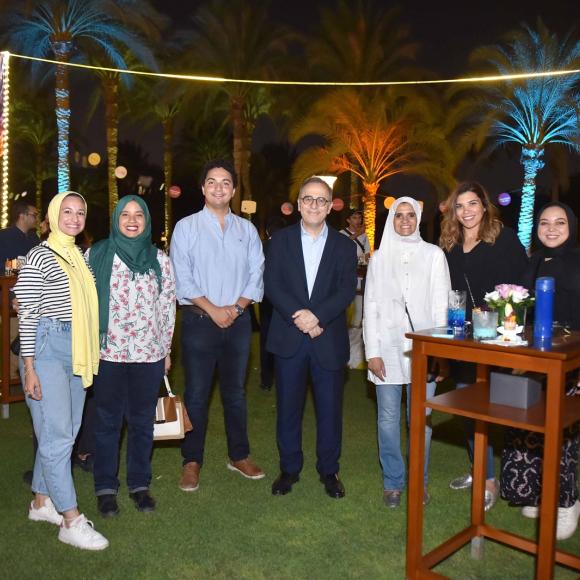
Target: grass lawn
{"points": [[234, 528]]}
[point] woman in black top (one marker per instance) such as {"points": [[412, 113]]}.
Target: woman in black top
{"points": [[481, 253], [521, 468]]}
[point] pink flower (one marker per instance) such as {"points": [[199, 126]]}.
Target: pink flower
{"points": [[504, 290]]}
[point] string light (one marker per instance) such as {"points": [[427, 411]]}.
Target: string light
{"points": [[4, 134], [213, 79]]}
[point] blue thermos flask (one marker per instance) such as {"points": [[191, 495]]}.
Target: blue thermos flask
{"points": [[544, 308]]}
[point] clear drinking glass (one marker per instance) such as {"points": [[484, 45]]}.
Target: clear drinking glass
{"points": [[456, 310], [484, 324]]}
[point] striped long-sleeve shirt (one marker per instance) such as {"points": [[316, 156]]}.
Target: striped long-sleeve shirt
{"points": [[43, 291]]}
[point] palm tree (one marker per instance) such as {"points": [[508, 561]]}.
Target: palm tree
{"points": [[64, 29], [236, 39], [360, 41], [531, 114], [373, 138], [32, 126], [161, 101]]}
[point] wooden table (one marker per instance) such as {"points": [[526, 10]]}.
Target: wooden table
{"points": [[6, 396], [549, 417]]}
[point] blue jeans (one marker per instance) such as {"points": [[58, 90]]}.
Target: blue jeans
{"points": [[125, 391], [57, 416], [469, 436], [389, 431], [206, 346]]}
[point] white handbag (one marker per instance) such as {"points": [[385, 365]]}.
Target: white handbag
{"points": [[171, 419]]}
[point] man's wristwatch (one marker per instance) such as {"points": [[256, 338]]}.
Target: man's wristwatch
{"points": [[239, 309]]}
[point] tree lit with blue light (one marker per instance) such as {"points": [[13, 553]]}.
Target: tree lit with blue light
{"points": [[535, 112]]}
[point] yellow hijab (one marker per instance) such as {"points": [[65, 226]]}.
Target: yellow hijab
{"points": [[83, 295]]}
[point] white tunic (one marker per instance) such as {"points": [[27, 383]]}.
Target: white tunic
{"points": [[415, 273]]}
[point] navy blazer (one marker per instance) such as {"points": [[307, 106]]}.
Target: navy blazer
{"points": [[334, 289]]}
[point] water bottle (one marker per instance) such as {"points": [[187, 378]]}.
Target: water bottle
{"points": [[544, 309]]}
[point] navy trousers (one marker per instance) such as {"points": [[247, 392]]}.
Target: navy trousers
{"points": [[205, 347], [291, 387], [125, 391]]}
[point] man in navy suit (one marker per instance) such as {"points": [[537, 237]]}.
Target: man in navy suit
{"points": [[310, 278]]}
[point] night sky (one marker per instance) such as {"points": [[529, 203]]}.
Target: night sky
{"points": [[447, 31]]}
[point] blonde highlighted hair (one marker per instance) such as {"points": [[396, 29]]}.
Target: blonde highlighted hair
{"points": [[452, 231]]}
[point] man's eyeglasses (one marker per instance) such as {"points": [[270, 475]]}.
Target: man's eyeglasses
{"points": [[32, 213], [318, 201]]}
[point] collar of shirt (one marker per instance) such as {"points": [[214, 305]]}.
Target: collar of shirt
{"points": [[212, 217], [321, 236]]}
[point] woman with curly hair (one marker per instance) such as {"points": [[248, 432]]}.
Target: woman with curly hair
{"points": [[481, 253]]}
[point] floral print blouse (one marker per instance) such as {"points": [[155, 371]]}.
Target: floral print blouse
{"points": [[141, 318]]}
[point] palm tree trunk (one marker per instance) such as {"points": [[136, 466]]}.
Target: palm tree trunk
{"points": [[370, 211], [354, 197], [168, 173], [237, 107], [111, 87], [62, 50], [38, 174], [247, 163], [531, 159]]}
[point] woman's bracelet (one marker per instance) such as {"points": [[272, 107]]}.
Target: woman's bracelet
{"points": [[27, 371]]}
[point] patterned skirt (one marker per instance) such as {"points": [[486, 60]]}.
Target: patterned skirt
{"points": [[521, 467]]}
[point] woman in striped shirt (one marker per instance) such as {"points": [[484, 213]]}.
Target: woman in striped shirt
{"points": [[58, 313]]}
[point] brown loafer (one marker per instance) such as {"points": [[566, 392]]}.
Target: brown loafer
{"points": [[247, 468], [190, 476]]}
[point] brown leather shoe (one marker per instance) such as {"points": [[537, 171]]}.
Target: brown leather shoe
{"points": [[247, 468], [190, 476]]}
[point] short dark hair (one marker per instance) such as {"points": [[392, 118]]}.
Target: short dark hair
{"points": [[19, 207], [220, 164], [315, 179]]}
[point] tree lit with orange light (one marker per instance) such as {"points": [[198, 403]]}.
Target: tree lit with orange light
{"points": [[375, 138]]}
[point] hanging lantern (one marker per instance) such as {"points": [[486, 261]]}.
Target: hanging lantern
{"points": [[504, 199], [337, 204], [287, 208], [120, 172], [389, 201], [174, 191]]}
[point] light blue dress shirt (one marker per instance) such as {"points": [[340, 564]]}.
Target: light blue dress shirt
{"points": [[220, 265], [312, 249]]}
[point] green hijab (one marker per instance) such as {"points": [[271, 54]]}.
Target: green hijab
{"points": [[138, 254]]}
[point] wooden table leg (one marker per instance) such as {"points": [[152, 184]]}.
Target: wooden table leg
{"points": [[480, 444], [416, 465], [550, 473], [478, 487]]}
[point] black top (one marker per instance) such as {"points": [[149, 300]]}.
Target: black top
{"points": [[564, 267], [14, 242], [485, 266], [563, 264]]}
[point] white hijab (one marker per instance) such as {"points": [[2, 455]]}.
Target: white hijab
{"points": [[387, 291]]}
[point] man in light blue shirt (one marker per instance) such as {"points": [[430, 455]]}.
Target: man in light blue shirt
{"points": [[218, 262]]}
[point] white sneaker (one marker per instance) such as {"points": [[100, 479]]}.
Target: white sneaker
{"points": [[46, 513], [531, 511], [81, 534], [567, 521]]}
